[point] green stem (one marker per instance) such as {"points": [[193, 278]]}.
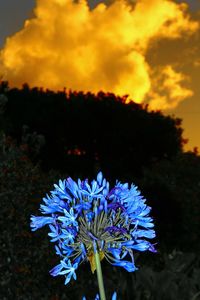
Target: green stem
{"points": [[100, 276]]}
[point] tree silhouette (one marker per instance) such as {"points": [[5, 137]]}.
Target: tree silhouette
{"points": [[173, 190], [85, 132]]}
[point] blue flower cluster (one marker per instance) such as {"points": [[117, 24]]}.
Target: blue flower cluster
{"points": [[84, 218]]}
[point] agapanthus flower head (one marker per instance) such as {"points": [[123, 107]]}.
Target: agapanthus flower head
{"points": [[84, 218]]}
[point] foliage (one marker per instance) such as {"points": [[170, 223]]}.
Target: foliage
{"points": [[21, 186], [86, 132], [78, 135], [173, 190], [176, 278], [26, 259]]}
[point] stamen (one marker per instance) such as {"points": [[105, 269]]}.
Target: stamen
{"points": [[92, 236]]}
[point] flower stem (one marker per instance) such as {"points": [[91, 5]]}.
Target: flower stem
{"points": [[99, 276]]}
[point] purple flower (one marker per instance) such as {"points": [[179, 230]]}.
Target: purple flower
{"points": [[38, 222], [65, 269], [87, 217]]}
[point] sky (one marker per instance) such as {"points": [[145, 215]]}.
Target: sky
{"points": [[149, 49]]}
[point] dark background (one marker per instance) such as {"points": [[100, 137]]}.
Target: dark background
{"points": [[46, 136]]}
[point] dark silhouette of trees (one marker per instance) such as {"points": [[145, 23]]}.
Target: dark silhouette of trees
{"points": [[77, 134], [85, 132], [173, 190]]}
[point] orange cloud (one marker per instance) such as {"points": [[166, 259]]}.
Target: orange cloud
{"points": [[69, 45], [167, 90]]}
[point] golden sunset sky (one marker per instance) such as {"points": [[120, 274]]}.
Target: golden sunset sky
{"points": [[149, 49]]}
